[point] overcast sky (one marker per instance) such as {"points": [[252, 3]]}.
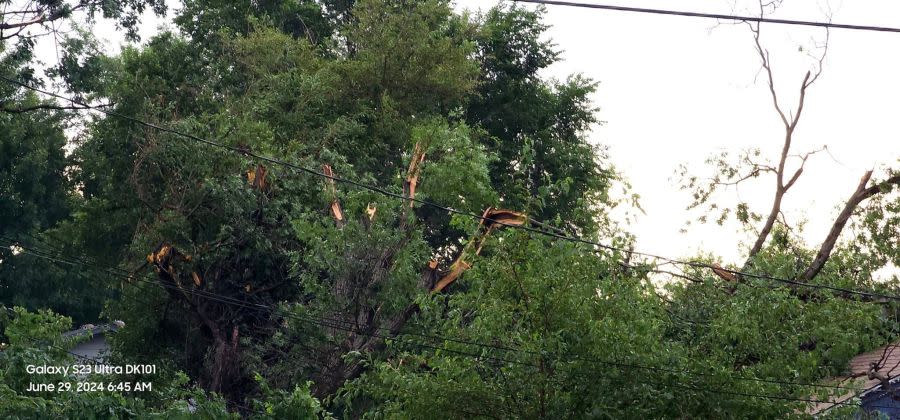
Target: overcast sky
{"points": [[674, 90]]}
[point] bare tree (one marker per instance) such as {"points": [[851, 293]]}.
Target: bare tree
{"points": [[731, 175], [783, 182], [863, 191]]}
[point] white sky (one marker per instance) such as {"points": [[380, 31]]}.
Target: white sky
{"points": [[675, 90]]}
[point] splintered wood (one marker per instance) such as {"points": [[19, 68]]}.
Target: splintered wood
{"points": [[722, 273], [412, 174], [491, 219], [337, 212], [162, 259], [257, 178]]}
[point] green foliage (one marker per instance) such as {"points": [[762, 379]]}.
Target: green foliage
{"points": [[456, 170], [295, 404], [535, 328], [537, 129], [304, 19], [35, 339], [36, 196], [34, 191], [544, 313]]}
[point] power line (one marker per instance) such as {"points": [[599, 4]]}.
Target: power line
{"points": [[335, 323], [757, 19], [385, 192], [338, 326], [481, 356], [31, 250]]}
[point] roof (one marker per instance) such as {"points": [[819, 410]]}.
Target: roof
{"points": [[93, 347], [886, 358], [90, 330]]}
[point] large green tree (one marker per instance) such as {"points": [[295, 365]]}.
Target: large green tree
{"points": [[252, 277]]}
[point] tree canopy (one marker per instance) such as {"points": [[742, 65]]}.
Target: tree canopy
{"points": [[277, 199]]}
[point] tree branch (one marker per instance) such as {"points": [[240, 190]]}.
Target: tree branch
{"points": [[19, 110], [790, 126], [766, 65], [799, 171], [39, 19], [861, 194]]}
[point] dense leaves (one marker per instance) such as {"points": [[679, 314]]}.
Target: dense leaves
{"points": [[262, 290]]}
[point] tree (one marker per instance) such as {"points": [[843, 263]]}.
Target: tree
{"points": [[211, 226], [779, 330], [537, 128], [35, 196], [750, 167], [272, 287], [20, 19]]}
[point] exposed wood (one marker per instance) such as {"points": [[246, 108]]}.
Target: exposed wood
{"points": [[725, 275], [337, 212], [491, 219], [371, 326], [412, 174], [257, 178], [456, 270], [223, 368]]}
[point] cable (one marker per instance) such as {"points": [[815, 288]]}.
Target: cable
{"points": [[711, 15], [334, 323], [498, 359], [447, 209], [479, 356]]}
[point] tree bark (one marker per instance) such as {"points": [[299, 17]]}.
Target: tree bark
{"points": [[372, 338], [861, 194]]}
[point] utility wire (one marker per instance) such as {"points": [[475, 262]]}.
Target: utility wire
{"points": [[319, 322], [335, 323], [383, 191], [482, 356], [738, 18]]}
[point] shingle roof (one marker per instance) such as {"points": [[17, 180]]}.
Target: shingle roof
{"points": [[886, 358]]}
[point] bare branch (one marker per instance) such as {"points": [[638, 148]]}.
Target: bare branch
{"points": [[767, 66], [790, 125], [821, 59], [39, 19], [799, 171], [861, 194], [38, 16]]}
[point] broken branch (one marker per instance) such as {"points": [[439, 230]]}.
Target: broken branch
{"points": [[861, 194]]}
